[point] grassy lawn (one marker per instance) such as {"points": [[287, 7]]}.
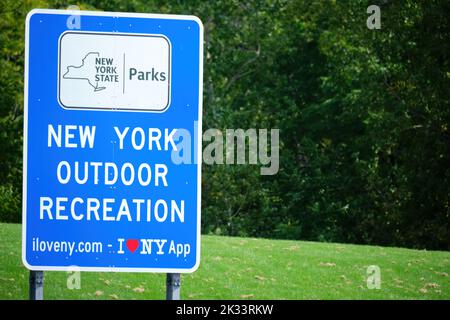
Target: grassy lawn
{"points": [[245, 268]]}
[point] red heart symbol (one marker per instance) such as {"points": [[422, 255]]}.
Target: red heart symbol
{"points": [[132, 245]]}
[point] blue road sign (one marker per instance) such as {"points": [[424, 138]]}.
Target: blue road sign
{"points": [[113, 109]]}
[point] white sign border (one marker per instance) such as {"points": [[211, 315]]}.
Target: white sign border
{"points": [[25, 142]]}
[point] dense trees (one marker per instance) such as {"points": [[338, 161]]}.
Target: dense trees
{"points": [[363, 116]]}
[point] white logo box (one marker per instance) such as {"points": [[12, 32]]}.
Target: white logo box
{"points": [[114, 71]]}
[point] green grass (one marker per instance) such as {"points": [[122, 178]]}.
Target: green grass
{"points": [[246, 268]]}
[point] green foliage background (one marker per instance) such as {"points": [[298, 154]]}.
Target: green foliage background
{"points": [[363, 115]]}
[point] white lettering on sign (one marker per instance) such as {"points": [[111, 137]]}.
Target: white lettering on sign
{"points": [[58, 136], [150, 138], [114, 71], [108, 209], [109, 173]]}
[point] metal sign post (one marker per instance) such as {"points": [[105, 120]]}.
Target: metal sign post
{"points": [[36, 285], [173, 285]]}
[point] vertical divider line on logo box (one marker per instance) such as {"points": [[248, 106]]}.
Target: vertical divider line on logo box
{"points": [[123, 91]]}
